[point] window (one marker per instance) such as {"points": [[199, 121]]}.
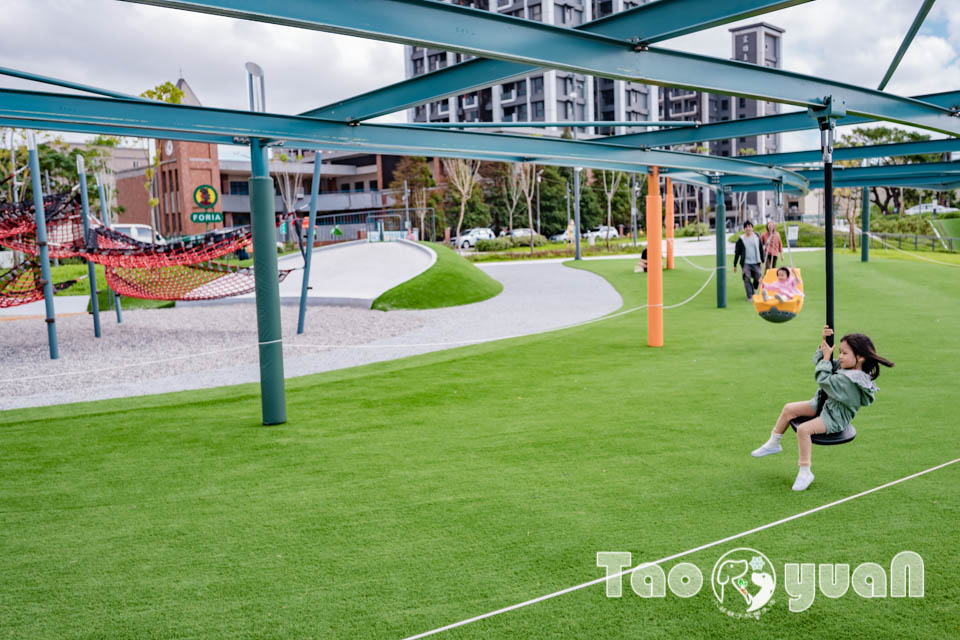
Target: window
{"points": [[504, 3], [522, 88], [567, 110], [536, 84], [743, 103], [418, 66], [535, 13], [469, 101], [345, 187], [537, 108], [436, 61], [724, 104], [508, 92], [358, 187], [442, 107], [374, 185], [239, 188]]}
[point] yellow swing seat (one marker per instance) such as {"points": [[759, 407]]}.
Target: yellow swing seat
{"points": [[773, 310]]}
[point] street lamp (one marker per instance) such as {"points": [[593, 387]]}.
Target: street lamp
{"points": [[539, 175]]}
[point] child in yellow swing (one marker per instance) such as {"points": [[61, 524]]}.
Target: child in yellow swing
{"points": [[786, 287]]}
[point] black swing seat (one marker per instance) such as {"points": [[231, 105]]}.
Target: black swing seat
{"points": [[842, 437]]}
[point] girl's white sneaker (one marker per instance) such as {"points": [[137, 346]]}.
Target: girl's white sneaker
{"points": [[804, 479], [766, 450]]}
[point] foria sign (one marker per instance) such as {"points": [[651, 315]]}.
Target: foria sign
{"points": [[744, 580]]}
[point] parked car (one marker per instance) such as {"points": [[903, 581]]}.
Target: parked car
{"points": [[601, 233], [559, 237], [522, 233], [468, 238], [140, 232]]}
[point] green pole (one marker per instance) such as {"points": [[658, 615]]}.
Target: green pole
{"points": [[41, 220], [264, 227], [865, 226], [721, 248], [311, 226], [91, 270], [114, 298]]}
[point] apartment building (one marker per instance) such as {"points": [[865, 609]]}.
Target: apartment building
{"points": [[552, 96]]}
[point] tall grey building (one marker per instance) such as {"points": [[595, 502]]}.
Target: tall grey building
{"points": [[547, 97], [758, 43]]}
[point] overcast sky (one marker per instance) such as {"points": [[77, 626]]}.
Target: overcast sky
{"points": [[129, 48]]}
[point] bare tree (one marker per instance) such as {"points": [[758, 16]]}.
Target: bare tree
{"points": [[290, 180], [462, 176], [528, 183], [611, 182], [512, 191]]}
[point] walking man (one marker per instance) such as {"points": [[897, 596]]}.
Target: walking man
{"points": [[749, 253]]}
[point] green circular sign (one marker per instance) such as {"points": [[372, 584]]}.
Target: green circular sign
{"points": [[205, 196]]}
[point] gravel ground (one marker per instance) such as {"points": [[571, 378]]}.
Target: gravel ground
{"points": [[195, 347]]}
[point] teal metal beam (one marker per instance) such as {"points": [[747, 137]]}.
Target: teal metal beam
{"points": [[927, 182], [948, 145], [764, 125], [879, 171], [482, 33], [165, 120], [647, 23], [544, 125], [911, 33], [14, 73]]}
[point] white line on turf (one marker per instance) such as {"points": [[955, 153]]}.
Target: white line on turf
{"points": [[676, 555]]}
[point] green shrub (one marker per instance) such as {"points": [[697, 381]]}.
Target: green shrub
{"points": [[948, 215], [691, 230], [497, 244]]}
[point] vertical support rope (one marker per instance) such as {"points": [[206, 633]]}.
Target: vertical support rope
{"points": [[826, 143]]}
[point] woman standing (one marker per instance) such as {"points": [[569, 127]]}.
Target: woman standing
{"points": [[772, 245]]}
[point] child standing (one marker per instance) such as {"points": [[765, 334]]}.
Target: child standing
{"points": [[848, 385]]}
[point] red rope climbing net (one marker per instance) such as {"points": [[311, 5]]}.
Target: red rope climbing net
{"points": [[24, 284], [181, 270]]}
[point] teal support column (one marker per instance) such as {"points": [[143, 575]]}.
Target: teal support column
{"points": [[311, 226], [105, 215], [576, 213], [91, 270], [41, 219], [264, 227], [721, 249], [865, 227]]}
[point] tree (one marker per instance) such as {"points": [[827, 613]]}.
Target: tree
{"points": [[611, 182], [862, 136], [462, 176], [170, 93], [290, 180], [415, 171], [528, 184]]}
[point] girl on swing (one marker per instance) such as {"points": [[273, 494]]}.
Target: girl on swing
{"points": [[848, 385], [787, 286]]}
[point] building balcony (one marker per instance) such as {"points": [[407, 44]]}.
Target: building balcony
{"points": [[343, 201]]}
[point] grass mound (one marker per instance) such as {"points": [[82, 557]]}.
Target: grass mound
{"points": [[450, 282]]}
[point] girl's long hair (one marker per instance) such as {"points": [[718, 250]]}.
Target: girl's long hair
{"points": [[862, 346]]}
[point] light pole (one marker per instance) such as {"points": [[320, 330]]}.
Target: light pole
{"points": [[576, 211]]}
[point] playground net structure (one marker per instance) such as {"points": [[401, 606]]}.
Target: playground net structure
{"points": [[183, 270]]}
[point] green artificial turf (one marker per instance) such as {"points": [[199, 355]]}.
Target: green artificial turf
{"points": [[407, 495], [449, 282]]}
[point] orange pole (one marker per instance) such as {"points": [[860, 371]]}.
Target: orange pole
{"points": [[668, 223], [654, 261]]}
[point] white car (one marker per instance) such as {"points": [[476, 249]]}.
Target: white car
{"points": [[468, 238], [601, 233], [140, 232]]}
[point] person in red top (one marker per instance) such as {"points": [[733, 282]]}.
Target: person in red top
{"points": [[772, 245]]}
